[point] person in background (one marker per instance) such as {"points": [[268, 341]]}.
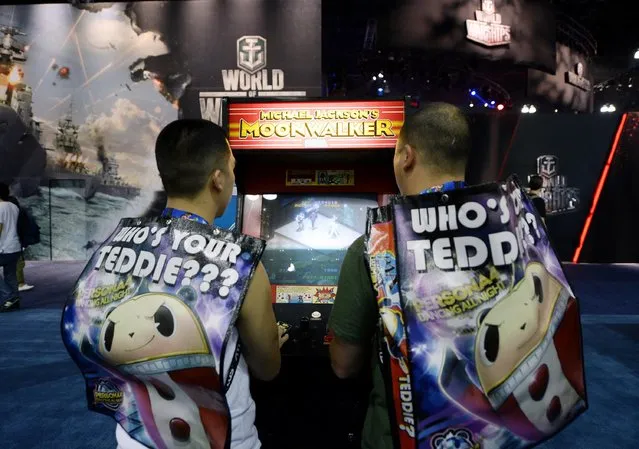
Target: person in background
{"points": [[535, 183], [431, 155], [197, 170], [22, 285], [10, 250]]}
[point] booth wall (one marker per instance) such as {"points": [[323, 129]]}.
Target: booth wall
{"points": [[118, 72], [612, 236], [569, 147]]}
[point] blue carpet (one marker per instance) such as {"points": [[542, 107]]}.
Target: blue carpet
{"points": [[42, 402]]}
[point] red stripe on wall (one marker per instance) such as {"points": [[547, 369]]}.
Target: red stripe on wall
{"points": [[600, 186]]}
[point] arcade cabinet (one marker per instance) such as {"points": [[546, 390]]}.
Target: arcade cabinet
{"points": [[306, 174]]}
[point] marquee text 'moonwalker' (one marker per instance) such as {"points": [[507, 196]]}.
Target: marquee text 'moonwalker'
{"points": [[317, 124]]}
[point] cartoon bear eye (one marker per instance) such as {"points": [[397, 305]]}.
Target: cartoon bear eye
{"points": [[108, 336], [489, 341], [539, 291], [164, 321]]}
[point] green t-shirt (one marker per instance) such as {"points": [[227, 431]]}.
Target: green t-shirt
{"points": [[354, 319]]}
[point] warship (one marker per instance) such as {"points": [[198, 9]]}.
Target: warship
{"points": [[23, 158], [67, 167], [111, 181], [70, 168], [11, 51]]}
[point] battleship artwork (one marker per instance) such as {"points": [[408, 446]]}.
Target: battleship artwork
{"points": [[65, 160], [23, 158]]}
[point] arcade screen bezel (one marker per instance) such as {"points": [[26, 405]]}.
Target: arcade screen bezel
{"points": [[315, 291]]}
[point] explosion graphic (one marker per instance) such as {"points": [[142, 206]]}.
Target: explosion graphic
{"points": [[325, 295]]}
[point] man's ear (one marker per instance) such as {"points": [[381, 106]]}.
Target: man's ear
{"points": [[408, 157], [216, 180]]}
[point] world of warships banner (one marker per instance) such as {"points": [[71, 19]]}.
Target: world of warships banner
{"points": [[85, 89]]}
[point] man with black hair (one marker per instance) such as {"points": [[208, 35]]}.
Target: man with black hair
{"points": [[535, 183], [431, 155], [10, 250], [196, 166]]}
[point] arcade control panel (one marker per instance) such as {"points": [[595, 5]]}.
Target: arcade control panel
{"points": [[306, 395], [307, 328]]}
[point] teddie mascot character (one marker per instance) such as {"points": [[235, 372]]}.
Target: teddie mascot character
{"points": [[157, 339], [527, 357]]}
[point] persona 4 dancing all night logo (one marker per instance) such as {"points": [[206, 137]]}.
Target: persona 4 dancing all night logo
{"points": [[559, 197], [252, 78], [108, 395], [487, 29]]}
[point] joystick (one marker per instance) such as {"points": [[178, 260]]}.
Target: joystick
{"points": [[304, 325], [284, 326]]}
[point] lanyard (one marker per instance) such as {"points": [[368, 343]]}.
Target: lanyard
{"points": [[450, 185], [177, 213]]}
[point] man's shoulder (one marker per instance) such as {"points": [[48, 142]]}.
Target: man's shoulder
{"points": [[354, 269], [9, 208], [358, 245], [356, 252]]}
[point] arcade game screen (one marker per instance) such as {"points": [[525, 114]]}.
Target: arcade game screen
{"points": [[307, 238]]}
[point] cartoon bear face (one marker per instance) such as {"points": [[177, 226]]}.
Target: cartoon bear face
{"points": [[515, 326], [151, 326]]}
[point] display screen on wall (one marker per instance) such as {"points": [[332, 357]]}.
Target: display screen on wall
{"points": [[520, 31], [315, 125]]}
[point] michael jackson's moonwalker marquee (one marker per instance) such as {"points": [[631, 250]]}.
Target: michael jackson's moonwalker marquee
{"points": [[148, 325], [482, 335]]}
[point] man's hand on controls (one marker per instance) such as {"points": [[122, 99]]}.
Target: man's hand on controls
{"points": [[282, 329]]}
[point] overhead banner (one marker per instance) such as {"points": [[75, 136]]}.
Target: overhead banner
{"points": [[482, 333], [315, 125], [569, 86], [240, 49], [520, 31]]}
